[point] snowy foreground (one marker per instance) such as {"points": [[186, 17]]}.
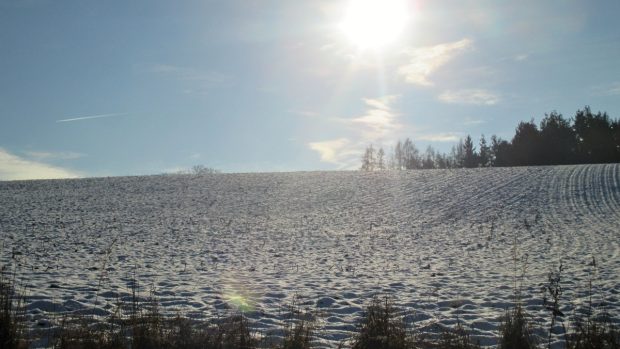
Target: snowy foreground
{"points": [[442, 242]]}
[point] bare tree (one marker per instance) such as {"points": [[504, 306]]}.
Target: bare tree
{"points": [[380, 160], [410, 155], [368, 159], [428, 160], [201, 169], [398, 155], [391, 164]]}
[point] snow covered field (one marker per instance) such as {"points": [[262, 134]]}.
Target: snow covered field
{"points": [[442, 242]]}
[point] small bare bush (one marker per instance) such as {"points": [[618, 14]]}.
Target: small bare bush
{"points": [[457, 338], [594, 333], [299, 330], [381, 328], [515, 331], [12, 315]]}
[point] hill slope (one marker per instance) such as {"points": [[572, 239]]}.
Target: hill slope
{"points": [[443, 242]]}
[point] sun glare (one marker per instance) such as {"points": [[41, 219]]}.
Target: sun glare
{"points": [[373, 24]]}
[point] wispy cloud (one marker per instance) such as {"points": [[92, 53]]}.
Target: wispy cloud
{"points": [[380, 120], [440, 137], [88, 117], [612, 89], [471, 121], [306, 113], [13, 167], [195, 81], [46, 155], [378, 125], [521, 57], [470, 96], [331, 151], [424, 61], [206, 78]]}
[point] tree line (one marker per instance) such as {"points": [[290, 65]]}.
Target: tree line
{"points": [[583, 139]]}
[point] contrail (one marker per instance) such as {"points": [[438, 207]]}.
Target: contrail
{"points": [[91, 117]]}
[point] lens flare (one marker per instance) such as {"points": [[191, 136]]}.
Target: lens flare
{"points": [[241, 302], [237, 293]]}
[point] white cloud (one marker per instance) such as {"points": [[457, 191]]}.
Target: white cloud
{"points": [[379, 122], [440, 137], [45, 155], [13, 167], [331, 151], [378, 125], [470, 96], [424, 61]]}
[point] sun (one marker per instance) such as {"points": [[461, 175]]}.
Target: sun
{"points": [[374, 24]]}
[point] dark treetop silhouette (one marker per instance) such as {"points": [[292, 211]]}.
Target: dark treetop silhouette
{"points": [[586, 138]]}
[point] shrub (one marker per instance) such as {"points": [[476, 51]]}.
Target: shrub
{"points": [[381, 328], [457, 338], [298, 335], [514, 330], [234, 333], [12, 316], [594, 333]]}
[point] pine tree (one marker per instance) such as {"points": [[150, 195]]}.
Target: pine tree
{"points": [[484, 158], [526, 145], [469, 153], [501, 152]]}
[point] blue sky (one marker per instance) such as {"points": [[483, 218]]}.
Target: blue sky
{"points": [[103, 88]]}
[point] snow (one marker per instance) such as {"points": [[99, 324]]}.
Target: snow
{"points": [[446, 244]]}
